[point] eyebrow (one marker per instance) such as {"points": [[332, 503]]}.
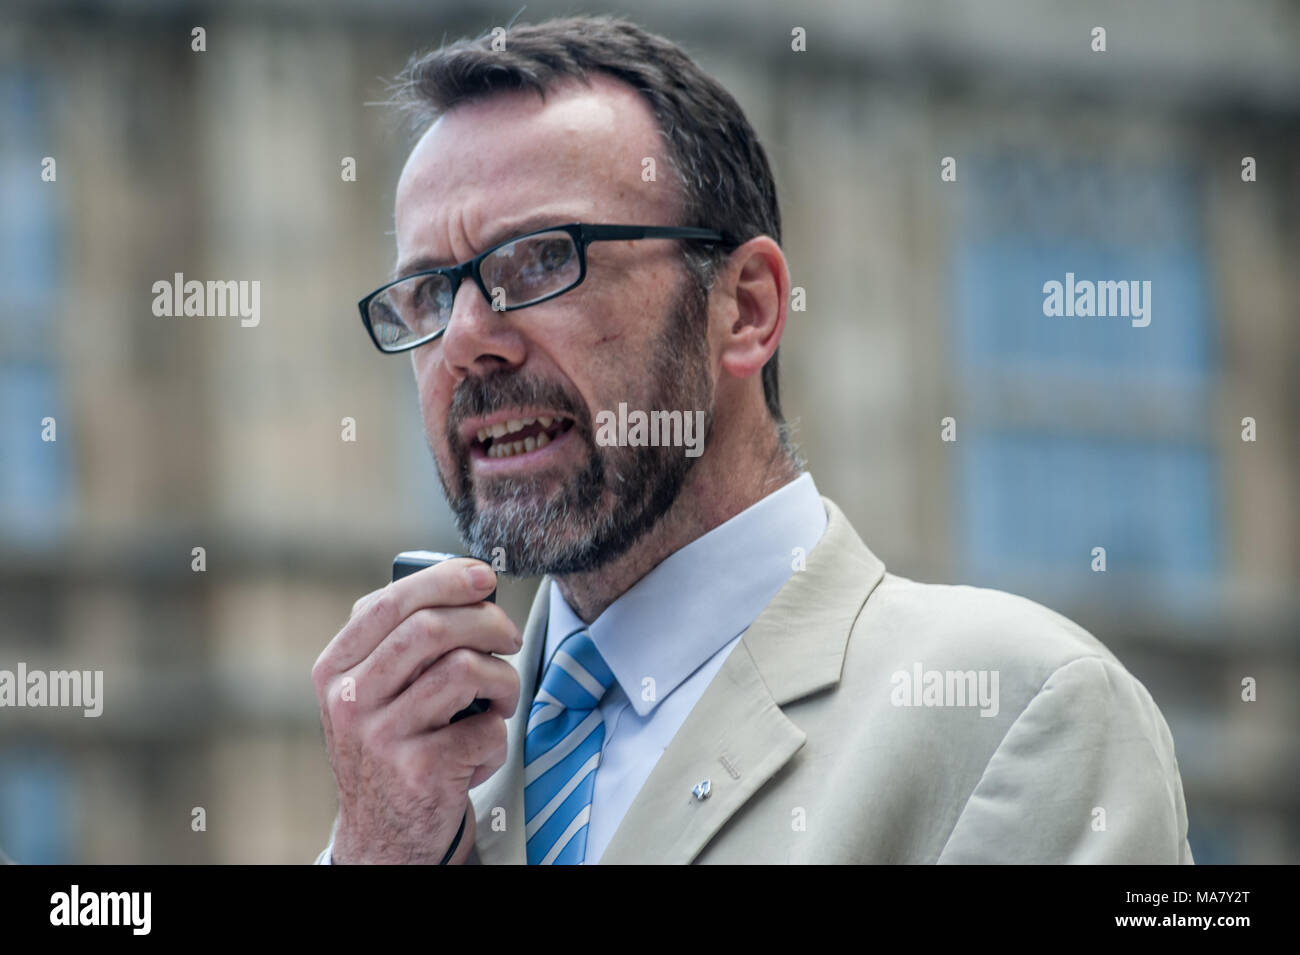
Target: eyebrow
{"points": [[510, 229]]}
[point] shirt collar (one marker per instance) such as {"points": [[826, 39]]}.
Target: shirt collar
{"points": [[672, 620]]}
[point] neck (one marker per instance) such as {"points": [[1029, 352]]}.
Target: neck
{"points": [[716, 489]]}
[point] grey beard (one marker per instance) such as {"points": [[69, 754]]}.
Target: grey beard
{"points": [[567, 533], [570, 532]]}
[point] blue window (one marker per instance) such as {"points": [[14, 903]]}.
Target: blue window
{"points": [[33, 472], [35, 816], [1078, 432]]}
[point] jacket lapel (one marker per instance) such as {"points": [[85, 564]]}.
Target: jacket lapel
{"points": [[737, 737], [505, 788]]}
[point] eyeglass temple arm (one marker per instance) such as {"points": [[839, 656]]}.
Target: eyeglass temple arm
{"points": [[614, 232]]}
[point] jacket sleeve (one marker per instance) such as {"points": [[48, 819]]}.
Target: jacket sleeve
{"points": [[1086, 774]]}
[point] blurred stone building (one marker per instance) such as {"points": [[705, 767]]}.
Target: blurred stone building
{"points": [[923, 298]]}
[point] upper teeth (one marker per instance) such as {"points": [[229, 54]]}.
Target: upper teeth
{"points": [[503, 428]]}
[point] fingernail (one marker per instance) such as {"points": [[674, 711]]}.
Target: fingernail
{"points": [[481, 577]]}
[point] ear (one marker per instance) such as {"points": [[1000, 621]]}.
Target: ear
{"points": [[758, 281]]}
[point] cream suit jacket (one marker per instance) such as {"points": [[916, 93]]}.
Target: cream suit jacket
{"points": [[813, 757]]}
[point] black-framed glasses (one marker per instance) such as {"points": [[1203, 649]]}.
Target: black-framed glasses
{"points": [[521, 271]]}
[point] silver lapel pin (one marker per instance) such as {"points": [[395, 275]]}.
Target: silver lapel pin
{"points": [[702, 790]]}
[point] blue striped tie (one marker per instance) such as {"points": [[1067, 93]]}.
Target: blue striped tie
{"points": [[562, 751]]}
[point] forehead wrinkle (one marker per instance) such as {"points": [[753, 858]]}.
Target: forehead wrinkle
{"points": [[568, 156]]}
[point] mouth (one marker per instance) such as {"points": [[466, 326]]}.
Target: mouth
{"points": [[520, 436]]}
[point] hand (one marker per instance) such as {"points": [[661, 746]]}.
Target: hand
{"points": [[412, 655]]}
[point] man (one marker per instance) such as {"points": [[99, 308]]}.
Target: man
{"points": [[715, 668]]}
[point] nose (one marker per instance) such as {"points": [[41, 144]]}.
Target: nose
{"points": [[478, 339]]}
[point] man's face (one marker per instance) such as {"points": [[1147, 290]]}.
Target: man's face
{"points": [[635, 330]]}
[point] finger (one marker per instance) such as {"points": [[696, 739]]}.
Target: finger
{"points": [[448, 584], [457, 752], [462, 580], [449, 686], [495, 758], [362, 600], [423, 638]]}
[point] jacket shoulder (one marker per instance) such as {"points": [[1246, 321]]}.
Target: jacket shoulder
{"points": [[974, 623]]}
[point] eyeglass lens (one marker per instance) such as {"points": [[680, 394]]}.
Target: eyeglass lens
{"points": [[517, 274]]}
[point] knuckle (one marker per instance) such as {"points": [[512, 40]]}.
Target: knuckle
{"points": [[460, 664], [363, 599], [398, 642], [433, 624], [339, 706], [382, 611]]}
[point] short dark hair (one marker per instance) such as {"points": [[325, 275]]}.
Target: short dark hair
{"points": [[725, 180]]}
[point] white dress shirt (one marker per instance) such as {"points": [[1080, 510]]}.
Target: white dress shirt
{"points": [[667, 636]]}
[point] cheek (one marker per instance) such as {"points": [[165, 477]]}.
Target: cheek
{"points": [[434, 390], [609, 368], [423, 383], [622, 322]]}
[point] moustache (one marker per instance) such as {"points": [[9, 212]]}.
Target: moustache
{"points": [[482, 395]]}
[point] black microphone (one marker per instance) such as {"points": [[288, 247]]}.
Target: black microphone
{"points": [[407, 563]]}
